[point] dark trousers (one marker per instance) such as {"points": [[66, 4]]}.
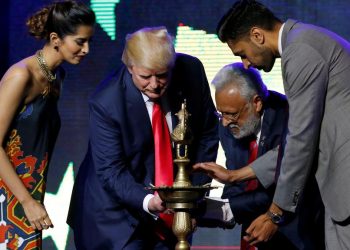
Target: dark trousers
{"points": [[145, 238], [277, 242]]}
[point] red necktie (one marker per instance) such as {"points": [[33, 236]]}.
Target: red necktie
{"points": [[251, 185], [253, 153], [163, 155], [245, 245]]}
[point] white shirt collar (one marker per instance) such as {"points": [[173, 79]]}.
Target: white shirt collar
{"points": [[280, 39], [149, 106], [145, 98], [259, 132]]}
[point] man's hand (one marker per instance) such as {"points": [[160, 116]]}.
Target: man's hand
{"points": [[156, 205], [224, 175], [215, 171], [194, 224], [261, 230]]}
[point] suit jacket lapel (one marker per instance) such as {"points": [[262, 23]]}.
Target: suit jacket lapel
{"points": [[175, 99], [266, 127], [237, 151], [136, 106], [141, 125], [271, 129]]}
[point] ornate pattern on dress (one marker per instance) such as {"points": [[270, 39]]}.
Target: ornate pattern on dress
{"points": [[15, 229]]}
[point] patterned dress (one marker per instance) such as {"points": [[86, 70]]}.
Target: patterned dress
{"points": [[29, 146]]}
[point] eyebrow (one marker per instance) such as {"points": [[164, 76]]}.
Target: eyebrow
{"points": [[145, 76], [82, 39], [163, 74]]}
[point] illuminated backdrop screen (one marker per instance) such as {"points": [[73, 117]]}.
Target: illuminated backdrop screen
{"points": [[192, 22]]}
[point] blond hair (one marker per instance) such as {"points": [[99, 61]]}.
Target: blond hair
{"points": [[152, 48]]}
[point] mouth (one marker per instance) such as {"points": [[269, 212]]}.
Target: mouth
{"points": [[234, 128], [154, 92]]}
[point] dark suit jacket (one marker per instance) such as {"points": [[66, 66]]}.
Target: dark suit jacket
{"points": [[305, 229], [109, 190]]}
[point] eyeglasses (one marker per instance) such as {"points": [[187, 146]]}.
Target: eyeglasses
{"points": [[233, 117]]}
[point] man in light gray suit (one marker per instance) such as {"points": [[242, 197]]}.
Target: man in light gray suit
{"points": [[316, 76]]}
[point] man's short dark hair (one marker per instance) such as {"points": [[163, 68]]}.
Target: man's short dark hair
{"points": [[242, 16]]}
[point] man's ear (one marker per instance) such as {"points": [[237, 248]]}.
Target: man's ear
{"points": [[258, 103], [257, 35], [130, 69]]}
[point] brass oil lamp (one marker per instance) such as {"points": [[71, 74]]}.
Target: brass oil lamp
{"points": [[182, 197]]}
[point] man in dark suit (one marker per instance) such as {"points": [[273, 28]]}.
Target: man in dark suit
{"points": [[252, 133], [315, 66], [110, 207]]}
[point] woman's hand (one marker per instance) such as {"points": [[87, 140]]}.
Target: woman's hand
{"points": [[36, 214]]}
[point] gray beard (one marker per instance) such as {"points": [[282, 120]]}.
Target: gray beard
{"points": [[251, 126]]}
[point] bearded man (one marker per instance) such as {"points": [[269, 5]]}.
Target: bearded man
{"points": [[252, 133]]}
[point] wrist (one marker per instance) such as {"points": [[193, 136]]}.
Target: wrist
{"points": [[24, 200], [243, 174], [233, 176], [276, 209], [275, 217]]}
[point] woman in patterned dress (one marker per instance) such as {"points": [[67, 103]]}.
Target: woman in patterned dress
{"points": [[29, 120]]}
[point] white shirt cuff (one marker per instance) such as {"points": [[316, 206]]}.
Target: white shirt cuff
{"points": [[145, 205], [227, 212]]}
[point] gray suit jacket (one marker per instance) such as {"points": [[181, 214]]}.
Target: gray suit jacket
{"points": [[316, 75]]}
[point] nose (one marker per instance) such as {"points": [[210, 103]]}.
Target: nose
{"points": [[154, 82], [246, 63], [85, 48], [225, 122]]}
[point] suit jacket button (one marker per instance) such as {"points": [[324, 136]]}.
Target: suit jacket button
{"points": [[295, 198]]}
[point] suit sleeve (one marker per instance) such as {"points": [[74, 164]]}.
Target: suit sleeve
{"points": [[306, 76], [264, 167], [110, 160]]}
